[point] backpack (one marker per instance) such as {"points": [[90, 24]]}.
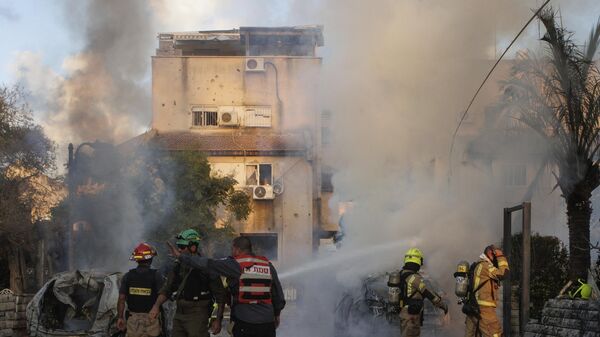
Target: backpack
{"points": [[470, 305]]}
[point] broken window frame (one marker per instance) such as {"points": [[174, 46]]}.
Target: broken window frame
{"points": [[263, 174]]}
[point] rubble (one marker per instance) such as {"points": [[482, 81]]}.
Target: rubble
{"points": [[75, 303], [567, 318], [12, 313]]}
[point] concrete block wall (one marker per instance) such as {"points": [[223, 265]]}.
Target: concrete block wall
{"points": [[12, 313], [567, 318]]}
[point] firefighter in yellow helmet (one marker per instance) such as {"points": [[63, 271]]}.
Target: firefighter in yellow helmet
{"points": [[413, 292], [491, 268]]}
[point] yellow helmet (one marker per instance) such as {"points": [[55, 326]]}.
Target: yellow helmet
{"points": [[584, 291], [414, 255]]}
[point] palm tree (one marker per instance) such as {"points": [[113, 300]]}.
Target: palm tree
{"points": [[558, 96]]}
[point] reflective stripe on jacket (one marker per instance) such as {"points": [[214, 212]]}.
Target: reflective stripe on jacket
{"points": [[255, 280], [486, 272]]}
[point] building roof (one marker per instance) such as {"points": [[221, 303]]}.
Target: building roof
{"points": [[238, 34], [226, 144], [245, 41]]}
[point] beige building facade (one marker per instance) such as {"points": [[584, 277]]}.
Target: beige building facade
{"points": [[248, 99]]}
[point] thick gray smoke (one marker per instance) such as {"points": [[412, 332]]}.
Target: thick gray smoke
{"points": [[107, 97], [397, 76], [102, 92]]}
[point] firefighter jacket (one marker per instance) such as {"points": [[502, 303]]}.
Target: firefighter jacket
{"points": [[255, 280], [260, 310], [488, 277], [416, 289]]}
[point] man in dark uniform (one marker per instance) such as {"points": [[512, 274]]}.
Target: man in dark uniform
{"points": [[256, 293], [139, 289], [194, 292]]}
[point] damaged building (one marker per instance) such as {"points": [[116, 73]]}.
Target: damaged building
{"points": [[247, 98]]}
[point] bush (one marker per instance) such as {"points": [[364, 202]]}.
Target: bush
{"points": [[549, 265]]}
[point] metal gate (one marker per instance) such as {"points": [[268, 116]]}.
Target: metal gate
{"points": [[526, 267]]}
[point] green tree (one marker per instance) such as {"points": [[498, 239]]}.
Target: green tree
{"points": [[25, 154], [145, 193], [558, 96], [549, 261], [193, 196]]}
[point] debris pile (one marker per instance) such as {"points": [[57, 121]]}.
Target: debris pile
{"points": [[566, 318], [12, 313], [75, 303]]}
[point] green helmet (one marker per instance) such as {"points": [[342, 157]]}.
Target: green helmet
{"points": [[188, 236]]}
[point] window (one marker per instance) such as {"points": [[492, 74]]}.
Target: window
{"points": [[204, 116], [258, 116], [264, 244], [259, 174], [326, 183], [515, 175]]}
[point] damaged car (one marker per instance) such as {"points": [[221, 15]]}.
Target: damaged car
{"points": [[78, 303], [367, 310]]}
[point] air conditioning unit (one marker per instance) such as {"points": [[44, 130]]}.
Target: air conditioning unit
{"points": [[278, 187], [228, 117], [263, 192], [255, 64]]}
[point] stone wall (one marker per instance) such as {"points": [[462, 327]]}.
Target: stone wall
{"points": [[567, 318], [12, 313]]}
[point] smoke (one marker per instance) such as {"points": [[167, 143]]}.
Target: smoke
{"points": [[102, 91], [8, 14], [397, 75]]}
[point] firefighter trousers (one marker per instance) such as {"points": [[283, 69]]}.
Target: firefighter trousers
{"points": [[140, 325], [191, 319], [410, 325], [489, 325]]}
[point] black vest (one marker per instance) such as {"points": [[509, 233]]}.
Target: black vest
{"points": [[196, 286], [141, 290]]}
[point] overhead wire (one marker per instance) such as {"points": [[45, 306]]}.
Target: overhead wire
{"points": [[464, 115]]}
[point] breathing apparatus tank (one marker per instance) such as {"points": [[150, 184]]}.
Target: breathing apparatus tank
{"points": [[394, 290], [461, 276]]}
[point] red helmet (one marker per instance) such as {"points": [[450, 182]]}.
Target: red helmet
{"points": [[143, 252]]}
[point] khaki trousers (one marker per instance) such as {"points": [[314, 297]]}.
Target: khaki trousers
{"points": [[410, 325], [140, 325], [191, 319], [489, 325]]}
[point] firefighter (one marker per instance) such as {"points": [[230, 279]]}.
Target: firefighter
{"points": [[487, 273], [194, 291], [256, 293], [139, 289], [413, 293]]}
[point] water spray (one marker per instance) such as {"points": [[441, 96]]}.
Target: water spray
{"points": [[340, 258]]}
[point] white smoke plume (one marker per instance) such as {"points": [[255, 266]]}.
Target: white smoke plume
{"points": [[396, 76]]}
